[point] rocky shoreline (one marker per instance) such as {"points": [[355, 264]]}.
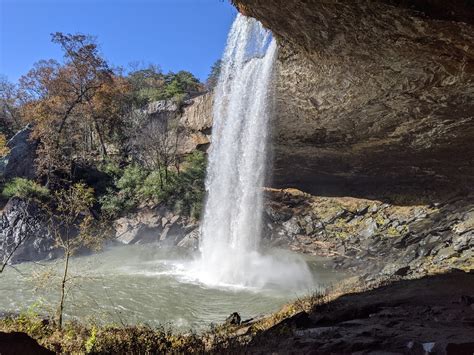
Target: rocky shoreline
{"points": [[371, 237], [366, 237]]}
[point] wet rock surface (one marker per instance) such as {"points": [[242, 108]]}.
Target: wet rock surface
{"points": [[372, 237]]}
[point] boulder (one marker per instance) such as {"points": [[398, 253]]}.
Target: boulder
{"points": [[292, 227], [370, 228], [126, 230], [151, 225], [463, 242], [20, 161], [145, 226], [190, 241], [395, 270], [15, 343], [24, 235], [445, 253], [233, 319], [277, 213]]}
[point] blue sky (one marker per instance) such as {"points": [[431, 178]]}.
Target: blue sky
{"points": [[175, 34]]}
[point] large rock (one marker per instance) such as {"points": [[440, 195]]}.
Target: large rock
{"points": [[373, 96], [190, 241], [15, 343], [23, 234], [20, 162], [196, 119], [156, 225], [370, 236], [193, 118]]}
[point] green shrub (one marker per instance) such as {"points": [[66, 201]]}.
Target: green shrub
{"points": [[156, 185], [24, 188], [76, 338], [151, 84], [91, 341], [126, 195], [186, 194], [132, 180], [112, 204], [111, 168]]}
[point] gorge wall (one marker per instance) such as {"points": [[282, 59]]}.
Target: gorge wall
{"points": [[374, 98]]}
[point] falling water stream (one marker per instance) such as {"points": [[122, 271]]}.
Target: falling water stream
{"points": [[231, 228], [231, 272]]}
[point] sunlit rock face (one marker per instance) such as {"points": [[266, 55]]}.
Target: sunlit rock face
{"points": [[196, 120], [373, 97], [193, 117]]}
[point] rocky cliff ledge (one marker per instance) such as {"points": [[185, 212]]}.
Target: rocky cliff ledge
{"points": [[372, 237], [193, 118], [374, 97]]}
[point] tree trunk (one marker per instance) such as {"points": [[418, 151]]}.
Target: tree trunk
{"points": [[103, 151], [63, 289]]}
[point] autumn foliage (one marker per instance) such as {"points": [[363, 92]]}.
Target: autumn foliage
{"points": [[3, 145], [74, 106]]}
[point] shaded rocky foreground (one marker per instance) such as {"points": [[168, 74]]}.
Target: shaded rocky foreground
{"points": [[434, 314], [20, 343]]}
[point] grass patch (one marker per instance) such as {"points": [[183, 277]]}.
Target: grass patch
{"points": [[92, 339]]}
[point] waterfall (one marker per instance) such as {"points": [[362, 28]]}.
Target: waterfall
{"points": [[231, 226]]}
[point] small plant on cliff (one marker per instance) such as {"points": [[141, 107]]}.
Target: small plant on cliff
{"points": [[25, 189], [3, 145], [213, 77]]}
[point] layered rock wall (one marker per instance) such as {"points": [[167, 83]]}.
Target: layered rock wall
{"points": [[196, 119], [374, 98]]}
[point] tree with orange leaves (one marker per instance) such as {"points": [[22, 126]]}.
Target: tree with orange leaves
{"points": [[72, 105]]}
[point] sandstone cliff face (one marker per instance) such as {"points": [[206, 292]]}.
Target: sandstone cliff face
{"points": [[196, 119], [193, 117], [373, 97]]}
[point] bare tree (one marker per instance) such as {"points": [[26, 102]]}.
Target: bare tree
{"points": [[9, 107], [73, 228], [156, 144], [24, 214]]}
